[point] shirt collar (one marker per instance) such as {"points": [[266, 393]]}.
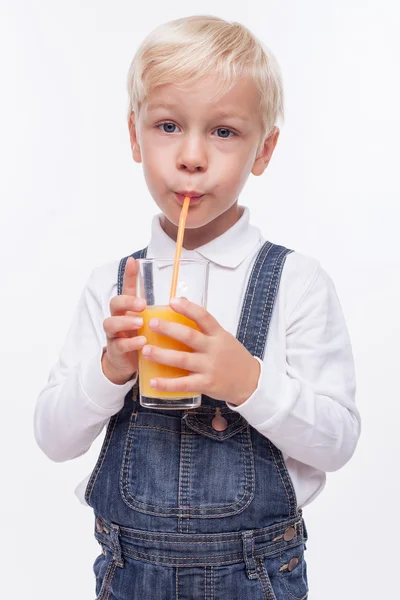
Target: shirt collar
{"points": [[227, 250]]}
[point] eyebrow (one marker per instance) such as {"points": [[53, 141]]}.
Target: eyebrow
{"points": [[223, 114]]}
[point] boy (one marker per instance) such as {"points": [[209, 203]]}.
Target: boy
{"points": [[184, 509]]}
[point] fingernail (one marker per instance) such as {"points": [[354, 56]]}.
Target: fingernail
{"points": [[146, 350], [153, 383], [137, 321], [139, 303], [154, 323], [175, 301]]}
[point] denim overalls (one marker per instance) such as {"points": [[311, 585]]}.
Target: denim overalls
{"points": [[186, 512]]}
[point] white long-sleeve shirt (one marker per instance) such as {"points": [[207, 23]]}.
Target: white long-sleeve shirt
{"points": [[305, 399]]}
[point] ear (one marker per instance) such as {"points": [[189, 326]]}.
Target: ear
{"points": [[137, 157], [264, 156]]}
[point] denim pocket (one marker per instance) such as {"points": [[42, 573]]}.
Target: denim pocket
{"points": [[175, 464], [104, 570], [293, 572]]}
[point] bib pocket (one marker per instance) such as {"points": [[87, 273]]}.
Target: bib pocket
{"points": [[176, 464]]}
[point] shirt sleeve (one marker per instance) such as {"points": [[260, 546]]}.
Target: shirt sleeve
{"points": [[309, 411], [78, 399]]}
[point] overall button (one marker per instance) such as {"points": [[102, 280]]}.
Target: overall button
{"points": [[99, 526], [293, 562], [289, 534], [219, 423]]}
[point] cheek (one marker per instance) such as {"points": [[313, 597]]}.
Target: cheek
{"points": [[155, 163], [236, 169]]}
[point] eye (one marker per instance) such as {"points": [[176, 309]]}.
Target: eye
{"points": [[167, 127], [225, 132]]}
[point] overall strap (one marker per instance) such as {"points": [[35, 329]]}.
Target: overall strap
{"points": [[259, 300], [121, 270]]}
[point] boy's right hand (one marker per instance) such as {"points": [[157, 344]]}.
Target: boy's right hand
{"points": [[120, 360]]}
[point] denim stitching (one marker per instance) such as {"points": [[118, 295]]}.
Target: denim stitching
{"points": [[275, 548], [183, 480], [176, 583], [261, 579], [214, 436], [188, 482], [195, 559], [100, 460], [290, 484], [160, 429], [250, 494], [185, 559], [220, 537], [133, 502], [293, 500], [234, 422], [105, 586], [260, 266], [268, 305], [248, 560], [205, 583], [229, 558], [223, 559], [283, 577], [280, 474], [126, 458], [212, 582], [262, 249], [180, 480], [108, 592], [265, 582]]}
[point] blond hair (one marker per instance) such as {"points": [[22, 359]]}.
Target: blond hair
{"points": [[185, 50]]}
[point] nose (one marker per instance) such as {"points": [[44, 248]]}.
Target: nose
{"points": [[192, 155]]}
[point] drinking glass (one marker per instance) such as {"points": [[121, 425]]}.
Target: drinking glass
{"points": [[154, 284]]}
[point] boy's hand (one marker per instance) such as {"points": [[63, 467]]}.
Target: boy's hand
{"points": [[220, 366], [120, 360]]}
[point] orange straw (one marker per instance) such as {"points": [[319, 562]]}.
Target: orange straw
{"points": [[179, 244]]}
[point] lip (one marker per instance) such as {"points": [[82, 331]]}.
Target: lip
{"points": [[195, 197]]}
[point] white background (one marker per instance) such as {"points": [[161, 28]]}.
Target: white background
{"points": [[73, 199]]}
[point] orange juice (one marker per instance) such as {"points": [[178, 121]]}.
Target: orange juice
{"points": [[149, 369]]}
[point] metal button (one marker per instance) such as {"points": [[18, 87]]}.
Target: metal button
{"points": [[293, 562], [103, 550], [289, 534], [219, 423], [99, 526]]}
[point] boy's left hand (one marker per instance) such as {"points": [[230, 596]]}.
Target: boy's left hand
{"points": [[220, 366]]}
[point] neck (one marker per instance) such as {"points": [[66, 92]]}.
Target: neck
{"points": [[194, 238]]}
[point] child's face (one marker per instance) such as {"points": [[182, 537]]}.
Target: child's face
{"points": [[188, 143]]}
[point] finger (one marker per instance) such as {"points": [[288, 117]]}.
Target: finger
{"points": [[191, 383], [173, 358], [116, 326], [130, 277], [182, 333], [125, 345], [119, 305], [198, 314]]}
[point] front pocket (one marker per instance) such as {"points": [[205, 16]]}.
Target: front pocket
{"points": [[293, 572], [104, 570], [175, 465]]}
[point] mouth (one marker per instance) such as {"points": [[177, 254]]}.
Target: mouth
{"points": [[195, 197]]}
